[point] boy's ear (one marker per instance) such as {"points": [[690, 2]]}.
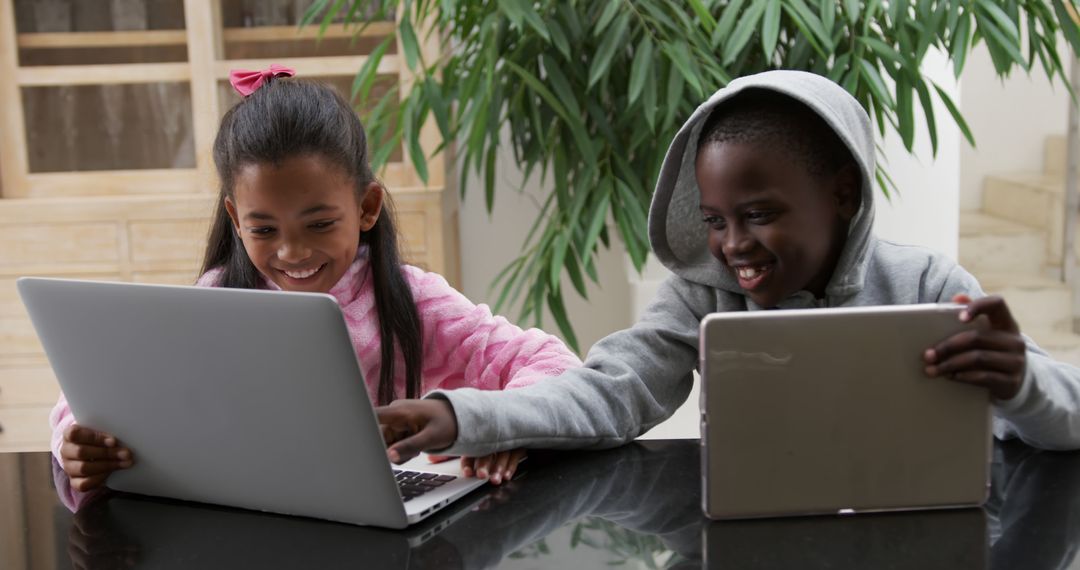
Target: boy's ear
{"points": [[230, 207], [847, 186], [370, 206]]}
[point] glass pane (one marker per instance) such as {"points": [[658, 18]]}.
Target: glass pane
{"points": [[343, 84], [268, 29], [126, 31], [109, 127]]}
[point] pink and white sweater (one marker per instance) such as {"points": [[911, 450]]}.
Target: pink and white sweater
{"points": [[464, 345]]}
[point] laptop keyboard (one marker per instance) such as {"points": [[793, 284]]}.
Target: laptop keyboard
{"points": [[415, 483]]}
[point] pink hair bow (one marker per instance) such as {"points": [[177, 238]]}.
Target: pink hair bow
{"points": [[246, 81]]}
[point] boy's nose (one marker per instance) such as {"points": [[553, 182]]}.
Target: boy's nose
{"points": [[736, 241]]}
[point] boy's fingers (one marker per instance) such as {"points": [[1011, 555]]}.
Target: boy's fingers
{"points": [[990, 360], [995, 309], [409, 447], [440, 458], [961, 299], [1002, 386], [990, 340]]}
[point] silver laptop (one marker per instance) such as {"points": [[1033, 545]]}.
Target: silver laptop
{"points": [[245, 398], [829, 411]]}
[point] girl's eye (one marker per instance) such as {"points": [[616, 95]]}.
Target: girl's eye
{"points": [[262, 230], [322, 225]]}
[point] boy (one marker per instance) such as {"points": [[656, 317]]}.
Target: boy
{"points": [[765, 200]]}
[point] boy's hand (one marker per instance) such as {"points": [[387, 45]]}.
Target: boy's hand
{"points": [[412, 426], [496, 468], [995, 357], [88, 457]]}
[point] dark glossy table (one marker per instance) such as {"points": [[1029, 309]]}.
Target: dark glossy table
{"points": [[633, 507]]}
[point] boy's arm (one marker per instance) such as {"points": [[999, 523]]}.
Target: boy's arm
{"points": [[632, 380], [1045, 413], [466, 346]]}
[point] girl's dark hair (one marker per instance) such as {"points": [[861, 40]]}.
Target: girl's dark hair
{"points": [[286, 118]]}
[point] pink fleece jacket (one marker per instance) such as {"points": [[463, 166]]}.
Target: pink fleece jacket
{"points": [[464, 345]]}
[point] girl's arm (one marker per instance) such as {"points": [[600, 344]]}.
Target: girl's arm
{"points": [[465, 346]]}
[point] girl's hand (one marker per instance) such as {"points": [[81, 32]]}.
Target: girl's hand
{"points": [[995, 357], [496, 468], [89, 456]]}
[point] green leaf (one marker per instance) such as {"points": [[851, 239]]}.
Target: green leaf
{"points": [[1010, 46], [928, 111], [365, 77], [876, 84], [960, 39], [1004, 24], [811, 21], [679, 54], [522, 11], [562, 85], [722, 32], [707, 21], [610, 10], [770, 28], [558, 311], [905, 113], [612, 41], [1068, 27], [851, 10], [558, 37], [956, 115], [596, 223], [648, 101], [883, 49], [747, 24], [409, 43], [639, 71]]}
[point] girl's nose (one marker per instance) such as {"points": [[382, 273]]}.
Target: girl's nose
{"points": [[293, 252]]}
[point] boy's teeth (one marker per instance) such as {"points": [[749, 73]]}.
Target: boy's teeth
{"points": [[748, 272]]}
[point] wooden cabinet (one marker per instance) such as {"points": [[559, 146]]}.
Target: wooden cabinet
{"points": [[106, 124]]}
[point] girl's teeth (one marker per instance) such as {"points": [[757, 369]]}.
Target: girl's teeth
{"points": [[303, 274]]}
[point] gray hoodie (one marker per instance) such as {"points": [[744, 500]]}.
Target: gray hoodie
{"points": [[636, 378]]}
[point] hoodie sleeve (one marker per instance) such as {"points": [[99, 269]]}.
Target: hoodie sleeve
{"points": [[1046, 411], [632, 380], [466, 346]]}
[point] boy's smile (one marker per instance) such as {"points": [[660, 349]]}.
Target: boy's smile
{"points": [[776, 227]]}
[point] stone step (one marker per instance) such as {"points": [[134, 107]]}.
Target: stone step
{"points": [[1032, 199], [991, 243], [1063, 346], [1037, 302]]}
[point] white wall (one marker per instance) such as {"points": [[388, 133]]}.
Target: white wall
{"points": [[926, 209], [1009, 119]]}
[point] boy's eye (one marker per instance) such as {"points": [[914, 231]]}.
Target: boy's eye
{"points": [[713, 221], [760, 216]]}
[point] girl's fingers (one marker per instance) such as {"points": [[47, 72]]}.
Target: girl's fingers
{"points": [[69, 450], [77, 468], [76, 433], [468, 466], [483, 466], [85, 484], [516, 456], [499, 467]]}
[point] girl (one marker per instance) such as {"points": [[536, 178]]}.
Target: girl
{"points": [[300, 210]]}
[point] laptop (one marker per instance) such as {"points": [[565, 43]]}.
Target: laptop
{"points": [[830, 411], [245, 398]]}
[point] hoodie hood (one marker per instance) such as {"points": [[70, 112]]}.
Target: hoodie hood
{"points": [[677, 236]]}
